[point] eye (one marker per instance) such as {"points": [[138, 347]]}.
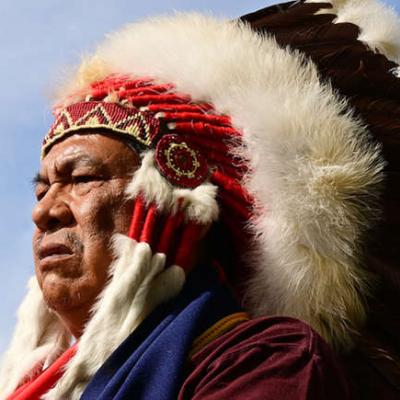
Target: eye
{"points": [[85, 178], [40, 195], [40, 191]]}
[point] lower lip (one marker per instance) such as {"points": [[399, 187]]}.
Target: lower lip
{"points": [[54, 260]]}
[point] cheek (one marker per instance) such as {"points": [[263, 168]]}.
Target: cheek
{"points": [[122, 216], [106, 212], [99, 217], [36, 239]]}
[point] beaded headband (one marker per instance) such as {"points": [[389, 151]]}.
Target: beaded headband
{"points": [[178, 160], [130, 121]]}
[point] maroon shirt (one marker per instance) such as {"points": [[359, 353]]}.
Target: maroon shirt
{"points": [[266, 358]]}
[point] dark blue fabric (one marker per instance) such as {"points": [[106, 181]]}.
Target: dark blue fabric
{"points": [[150, 363]]}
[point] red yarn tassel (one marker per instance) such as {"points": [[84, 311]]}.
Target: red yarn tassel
{"points": [[162, 107], [210, 143], [231, 185], [144, 90], [205, 129], [169, 232], [139, 101], [128, 83], [239, 208], [148, 233], [137, 219], [219, 120], [191, 235]]}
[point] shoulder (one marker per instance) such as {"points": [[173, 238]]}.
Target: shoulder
{"points": [[280, 355], [270, 334]]}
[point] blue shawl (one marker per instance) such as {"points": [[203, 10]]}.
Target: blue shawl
{"points": [[150, 363]]}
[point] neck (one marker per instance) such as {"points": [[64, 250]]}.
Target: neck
{"points": [[75, 320]]}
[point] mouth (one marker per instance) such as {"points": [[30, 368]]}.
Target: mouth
{"points": [[54, 253]]}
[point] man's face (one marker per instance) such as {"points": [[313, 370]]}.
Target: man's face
{"points": [[80, 205]]}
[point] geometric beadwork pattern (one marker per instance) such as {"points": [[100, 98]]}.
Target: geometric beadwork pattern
{"points": [[180, 161], [140, 125]]}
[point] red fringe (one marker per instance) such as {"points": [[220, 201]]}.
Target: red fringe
{"points": [[231, 185], [199, 117], [210, 143], [162, 107], [137, 219], [112, 82], [139, 101], [240, 208], [186, 250], [142, 90], [147, 234], [168, 234], [202, 128], [137, 83], [100, 94], [215, 157], [236, 172]]}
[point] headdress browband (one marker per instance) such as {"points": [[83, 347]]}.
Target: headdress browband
{"points": [[178, 160], [117, 118]]}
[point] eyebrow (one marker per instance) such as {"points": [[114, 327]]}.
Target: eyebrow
{"points": [[71, 163], [38, 179], [84, 159], [81, 160]]}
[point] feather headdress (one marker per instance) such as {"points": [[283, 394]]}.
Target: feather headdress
{"points": [[235, 127]]}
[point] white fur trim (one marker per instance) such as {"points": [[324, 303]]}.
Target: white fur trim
{"points": [[38, 336], [379, 24], [122, 306], [148, 182], [200, 204]]}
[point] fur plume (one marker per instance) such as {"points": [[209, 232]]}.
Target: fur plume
{"points": [[200, 204], [35, 340]]}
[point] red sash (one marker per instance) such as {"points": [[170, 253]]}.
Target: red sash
{"points": [[40, 385]]}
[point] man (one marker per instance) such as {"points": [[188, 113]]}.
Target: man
{"points": [[189, 155]]}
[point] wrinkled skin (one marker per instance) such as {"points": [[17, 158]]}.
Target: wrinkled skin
{"points": [[80, 205]]}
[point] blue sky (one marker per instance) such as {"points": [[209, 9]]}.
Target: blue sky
{"points": [[37, 39]]}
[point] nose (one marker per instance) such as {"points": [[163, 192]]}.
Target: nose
{"points": [[52, 211]]}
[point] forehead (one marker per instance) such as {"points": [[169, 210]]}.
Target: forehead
{"points": [[91, 149]]}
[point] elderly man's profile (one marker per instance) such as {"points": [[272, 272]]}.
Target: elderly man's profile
{"points": [[206, 201]]}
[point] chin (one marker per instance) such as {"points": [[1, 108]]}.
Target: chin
{"points": [[67, 294]]}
